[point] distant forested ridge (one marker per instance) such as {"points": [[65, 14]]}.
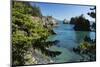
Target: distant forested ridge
{"points": [[29, 34]]}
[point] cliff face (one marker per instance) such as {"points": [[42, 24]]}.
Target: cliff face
{"points": [[49, 21]]}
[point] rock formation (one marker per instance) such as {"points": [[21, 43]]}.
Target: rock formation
{"points": [[65, 21]]}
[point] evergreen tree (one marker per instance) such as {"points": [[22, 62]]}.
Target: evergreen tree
{"points": [[28, 33], [93, 15]]}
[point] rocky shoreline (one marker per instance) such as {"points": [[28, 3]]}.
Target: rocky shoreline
{"points": [[41, 59]]}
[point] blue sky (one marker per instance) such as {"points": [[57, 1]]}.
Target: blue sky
{"points": [[62, 11]]}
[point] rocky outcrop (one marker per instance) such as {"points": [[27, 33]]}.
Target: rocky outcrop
{"points": [[65, 21], [36, 57], [49, 21]]}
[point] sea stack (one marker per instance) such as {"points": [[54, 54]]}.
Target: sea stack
{"points": [[65, 21]]}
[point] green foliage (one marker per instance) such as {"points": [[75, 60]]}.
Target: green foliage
{"points": [[88, 49], [36, 11], [20, 45], [26, 8], [84, 46], [21, 7], [27, 33], [93, 13]]}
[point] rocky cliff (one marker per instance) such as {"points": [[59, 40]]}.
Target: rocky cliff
{"points": [[49, 21]]}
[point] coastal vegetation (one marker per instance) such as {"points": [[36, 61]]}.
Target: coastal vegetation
{"points": [[93, 15], [87, 49], [29, 34], [40, 39]]}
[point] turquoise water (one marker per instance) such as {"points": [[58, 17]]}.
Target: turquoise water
{"points": [[68, 38]]}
